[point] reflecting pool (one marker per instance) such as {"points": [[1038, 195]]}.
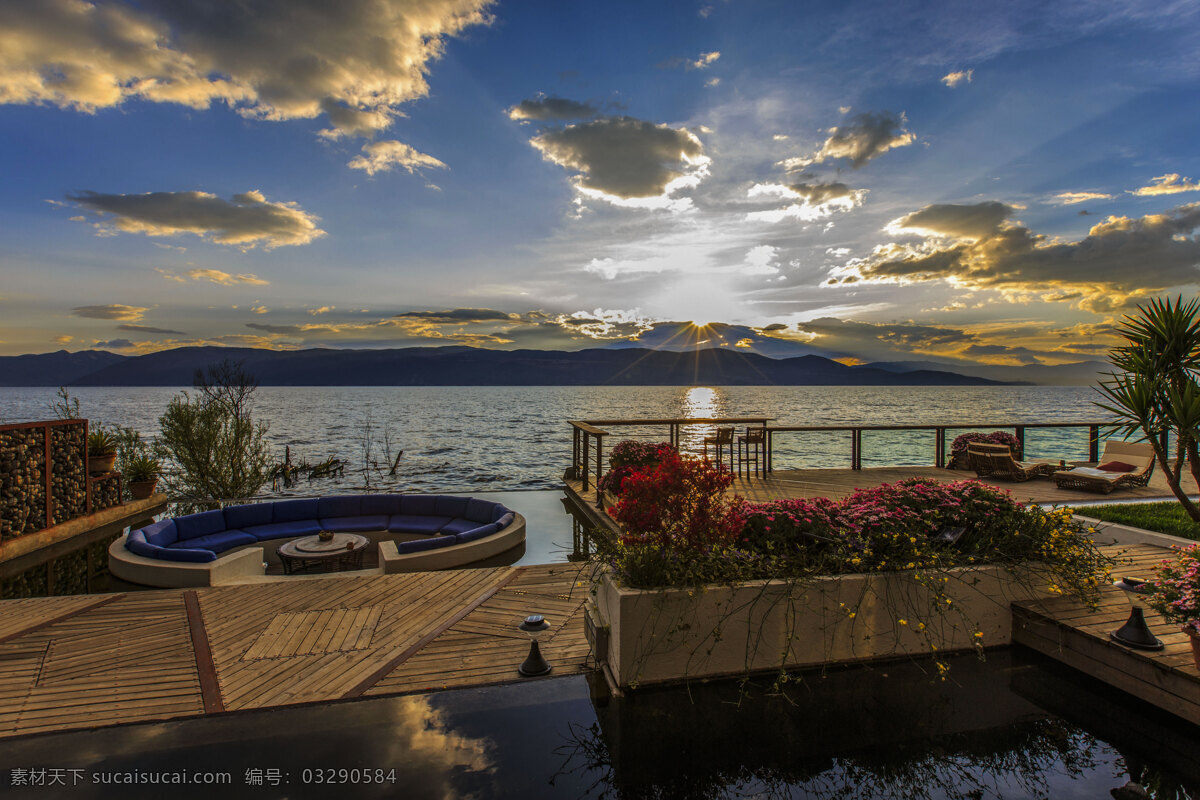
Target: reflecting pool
{"points": [[1016, 726]]}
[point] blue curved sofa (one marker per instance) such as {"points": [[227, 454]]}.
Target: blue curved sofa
{"points": [[442, 520]]}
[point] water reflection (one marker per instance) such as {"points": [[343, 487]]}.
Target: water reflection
{"points": [[700, 402]]}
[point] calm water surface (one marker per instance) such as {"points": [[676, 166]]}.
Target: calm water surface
{"points": [[501, 438]]}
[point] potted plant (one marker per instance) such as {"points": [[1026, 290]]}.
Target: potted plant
{"points": [[102, 451], [142, 474], [1175, 593]]}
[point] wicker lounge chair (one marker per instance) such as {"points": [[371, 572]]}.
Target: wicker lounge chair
{"points": [[1138, 457], [996, 461]]}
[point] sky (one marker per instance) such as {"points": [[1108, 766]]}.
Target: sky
{"points": [[954, 181]]}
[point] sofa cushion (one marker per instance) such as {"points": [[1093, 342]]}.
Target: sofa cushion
{"points": [[505, 520], [385, 504], [160, 533], [216, 542], [417, 545], [202, 524], [476, 533], [339, 506], [459, 525], [481, 510], [1116, 466], [139, 546], [448, 506], [421, 504], [292, 510], [416, 523], [354, 524], [285, 530], [242, 517]]}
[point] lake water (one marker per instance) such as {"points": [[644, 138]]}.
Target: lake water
{"points": [[513, 438]]}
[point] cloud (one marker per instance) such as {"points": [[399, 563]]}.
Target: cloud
{"points": [[1171, 183], [457, 315], [385, 155], [626, 158], [817, 200], [316, 312], [761, 260], [113, 344], [246, 221], [259, 309], [215, 276], [954, 79], [703, 61], [867, 136], [551, 109], [1074, 198], [149, 329], [64, 339], [1120, 260], [959, 221], [355, 61], [113, 311]]}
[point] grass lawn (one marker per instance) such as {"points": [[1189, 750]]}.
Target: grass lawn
{"points": [[1162, 517]]}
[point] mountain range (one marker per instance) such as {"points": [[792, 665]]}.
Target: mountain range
{"points": [[465, 366]]}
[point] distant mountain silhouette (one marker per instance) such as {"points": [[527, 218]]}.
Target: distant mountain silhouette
{"points": [[54, 369], [1079, 373], [468, 366]]}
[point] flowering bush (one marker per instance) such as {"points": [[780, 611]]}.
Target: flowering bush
{"points": [[632, 453], [680, 530], [628, 457], [1175, 593], [958, 448]]}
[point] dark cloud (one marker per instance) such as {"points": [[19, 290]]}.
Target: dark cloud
{"points": [[246, 221], [112, 311], [552, 109], [774, 326], [458, 315], [114, 344], [355, 61], [1120, 260], [149, 329], [282, 330], [622, 156], [975, 221], [865, 137], [821, 193]]}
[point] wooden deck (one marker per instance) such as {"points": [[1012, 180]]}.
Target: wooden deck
{"points": [[96, 660], [1066, 630]]}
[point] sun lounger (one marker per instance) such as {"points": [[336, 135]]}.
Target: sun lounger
{"points": [[1122, 464], [996, 461]]}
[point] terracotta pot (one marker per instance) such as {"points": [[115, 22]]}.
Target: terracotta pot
{"points": [[99, 465], [142, 489], [1194, 636]]}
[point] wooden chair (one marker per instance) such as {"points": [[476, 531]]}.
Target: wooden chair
{"points": [[996, 460], [750, 448], [722, 442], [1138, 456]]}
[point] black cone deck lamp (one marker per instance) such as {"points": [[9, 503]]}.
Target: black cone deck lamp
{"points": [[533, 665], [1135, 632]]}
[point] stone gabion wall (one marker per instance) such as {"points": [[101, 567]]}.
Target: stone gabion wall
{"points": [[68, 476], [22, 481], [106, 492], [23, 476]]}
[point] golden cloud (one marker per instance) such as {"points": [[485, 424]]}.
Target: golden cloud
{"points": [[388, 154], [1171, 183], [866, 137], [246, 221], [113, 311]]}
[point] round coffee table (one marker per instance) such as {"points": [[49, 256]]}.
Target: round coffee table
{"points": [[312, 554]]}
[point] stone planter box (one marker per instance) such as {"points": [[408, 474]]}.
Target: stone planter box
{"points": [[654, 636]]}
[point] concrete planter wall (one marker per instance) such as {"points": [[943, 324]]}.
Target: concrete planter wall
{"points": [[653, 636]]}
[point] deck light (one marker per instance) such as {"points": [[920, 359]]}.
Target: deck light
{"points": [[1135, 633], [534, 626]]}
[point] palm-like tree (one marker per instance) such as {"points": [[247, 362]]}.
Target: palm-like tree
{"points": [[1156, 393]]}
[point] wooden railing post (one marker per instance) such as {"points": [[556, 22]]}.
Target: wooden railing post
{"points": [[584, 468], [1094, 443], [939, 444], [1020, 434], [599, 469]]}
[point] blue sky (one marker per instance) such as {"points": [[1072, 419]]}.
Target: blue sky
{"points": [[951, 181]]}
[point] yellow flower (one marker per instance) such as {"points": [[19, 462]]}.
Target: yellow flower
{"points": [[902, 621]]}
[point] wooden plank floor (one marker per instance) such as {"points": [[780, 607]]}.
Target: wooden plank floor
{"points": [[1068, 631], [91, 661]]}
